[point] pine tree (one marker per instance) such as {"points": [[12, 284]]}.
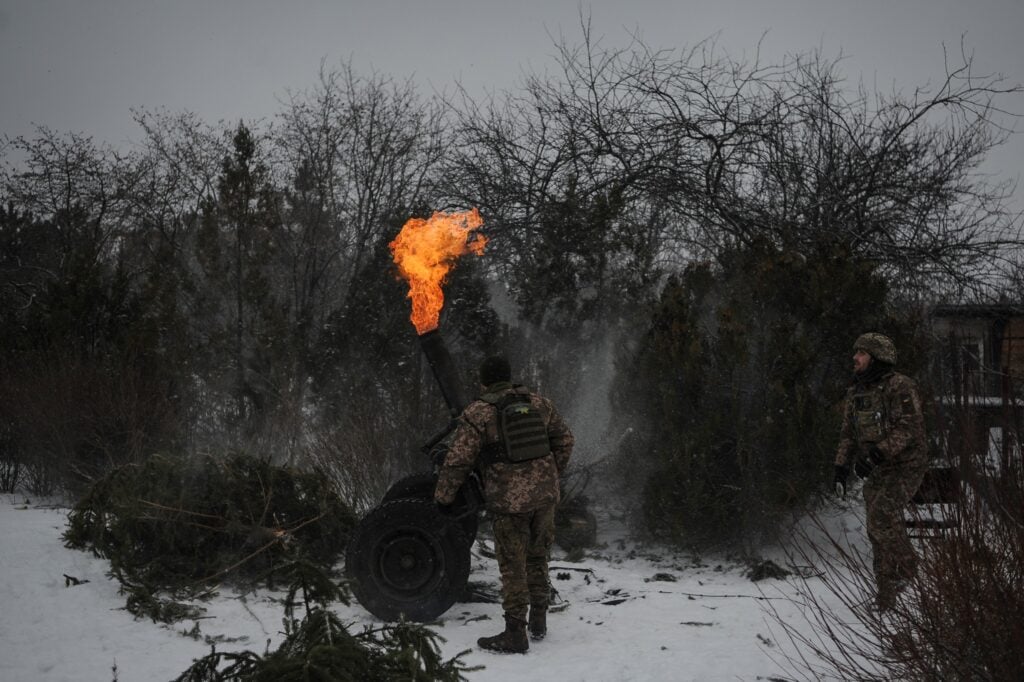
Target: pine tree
{"points": [[239, 309]]}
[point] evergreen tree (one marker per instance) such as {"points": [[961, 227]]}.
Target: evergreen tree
{"points": [[736, 386], [240, 325]]}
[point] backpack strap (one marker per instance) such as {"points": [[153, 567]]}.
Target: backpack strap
{"points": [[493, 452]]}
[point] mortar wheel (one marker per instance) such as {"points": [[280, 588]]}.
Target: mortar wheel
{"points": [[406, 559], [421, 487]]}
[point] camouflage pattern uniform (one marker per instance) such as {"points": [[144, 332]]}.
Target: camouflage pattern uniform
{"points": [[521, 496], [883, 410]]}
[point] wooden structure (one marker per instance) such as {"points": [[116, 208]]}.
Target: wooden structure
{"points": [[933, 509], [985, 342], [979, 410], [982, 386]]}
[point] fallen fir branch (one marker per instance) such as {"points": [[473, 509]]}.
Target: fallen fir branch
{"points": [[278, 535]]}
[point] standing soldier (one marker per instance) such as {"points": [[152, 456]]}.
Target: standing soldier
{"points": [[883, 435], [522, 447]]}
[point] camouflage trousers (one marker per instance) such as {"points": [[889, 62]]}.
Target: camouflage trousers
{"points": [[887, 493], [522, 543]]}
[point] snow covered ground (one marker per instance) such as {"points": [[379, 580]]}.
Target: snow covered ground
{"points": [[627, 613]]}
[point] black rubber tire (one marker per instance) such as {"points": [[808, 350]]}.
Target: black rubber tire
{"points": [[421, 487], [417, 486], [406, 559]]}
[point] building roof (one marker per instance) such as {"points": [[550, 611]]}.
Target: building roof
{"points": [[984, 310]]}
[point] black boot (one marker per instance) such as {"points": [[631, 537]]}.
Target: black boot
{"points": [[538, 622], [512, 641]]}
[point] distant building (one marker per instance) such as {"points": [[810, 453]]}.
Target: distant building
{"points": [[982, 379]]}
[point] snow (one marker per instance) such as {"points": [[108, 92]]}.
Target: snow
{"points": [[619, 616]]}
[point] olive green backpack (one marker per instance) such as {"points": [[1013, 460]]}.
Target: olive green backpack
{"points": [[521, 428]]}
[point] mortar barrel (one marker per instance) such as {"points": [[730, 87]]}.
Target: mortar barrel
{"points": [[440, 361]]}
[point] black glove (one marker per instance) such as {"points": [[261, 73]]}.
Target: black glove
{"points": [[865, 465], [842, 473]]}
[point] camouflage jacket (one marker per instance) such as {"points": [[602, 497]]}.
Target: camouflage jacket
{"points": [[509, 487], [886, 414]]}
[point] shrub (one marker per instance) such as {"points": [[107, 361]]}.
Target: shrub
{"points": [[70, 419], [321, 647], [736, 385], [174, 523], [959, 616]]}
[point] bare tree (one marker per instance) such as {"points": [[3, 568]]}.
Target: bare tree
{"points": [[356, 156], [83, 190], [717, 154], [85, 384], [363, 153], [956, 620]]}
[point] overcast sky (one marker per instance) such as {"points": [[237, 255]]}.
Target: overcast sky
{"points": [[82, 65]]}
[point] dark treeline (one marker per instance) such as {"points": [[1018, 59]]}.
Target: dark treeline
{"points": [[721, 230]]}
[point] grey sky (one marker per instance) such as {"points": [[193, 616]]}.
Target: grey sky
{"points": [[82, 65]]}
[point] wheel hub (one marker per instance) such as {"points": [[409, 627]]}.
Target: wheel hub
{"points": [[407, 563]]}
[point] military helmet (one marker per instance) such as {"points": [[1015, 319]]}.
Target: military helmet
{"points": [[878, 346]]}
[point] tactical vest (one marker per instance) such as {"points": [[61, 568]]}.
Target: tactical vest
{"points": [[522, 432], [870, 415]]}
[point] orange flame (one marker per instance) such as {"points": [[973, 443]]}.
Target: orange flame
{"points": [[425, 250]]}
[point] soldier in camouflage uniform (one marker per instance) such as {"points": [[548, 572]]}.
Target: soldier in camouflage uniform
{"points": [[521, 499], [883, 436]]}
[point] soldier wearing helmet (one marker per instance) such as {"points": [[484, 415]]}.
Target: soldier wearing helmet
{"points": [[883, 437]]}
